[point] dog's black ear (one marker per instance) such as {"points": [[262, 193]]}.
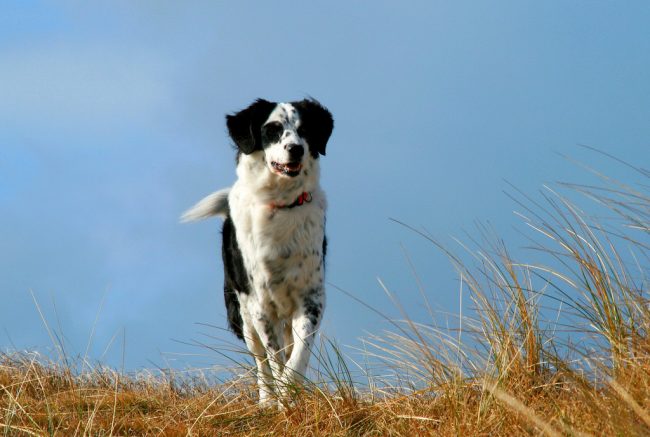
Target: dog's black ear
{"points": [[317, 122], [245, 126]]}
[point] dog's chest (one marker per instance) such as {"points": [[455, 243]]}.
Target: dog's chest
{"points": [[283, 252]]}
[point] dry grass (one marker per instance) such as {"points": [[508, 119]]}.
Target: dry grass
{"points": [[558, 346], [45, 400]]}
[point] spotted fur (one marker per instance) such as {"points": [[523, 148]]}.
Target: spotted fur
{"points": [[274, 255]]}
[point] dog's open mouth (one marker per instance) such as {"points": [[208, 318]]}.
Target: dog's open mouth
{"points": [[290, 168]]}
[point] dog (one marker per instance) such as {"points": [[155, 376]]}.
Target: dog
{"points": [[274, 242]]}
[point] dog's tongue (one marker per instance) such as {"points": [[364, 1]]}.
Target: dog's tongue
{"points": [[292, 166]]}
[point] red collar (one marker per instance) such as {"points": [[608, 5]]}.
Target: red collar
{"points": [[305, 197]]}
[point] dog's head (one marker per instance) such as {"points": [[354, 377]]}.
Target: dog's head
{"points": [[288, 134]]}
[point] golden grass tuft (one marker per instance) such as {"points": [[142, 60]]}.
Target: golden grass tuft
{"points": [[42, 400]]}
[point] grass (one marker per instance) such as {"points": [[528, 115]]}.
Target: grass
{"points": [[554, 346]]}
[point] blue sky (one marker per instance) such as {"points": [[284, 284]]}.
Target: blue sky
{"points": [[111, 124]]}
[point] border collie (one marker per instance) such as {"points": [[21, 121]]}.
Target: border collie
{"points": [[274, 237]]}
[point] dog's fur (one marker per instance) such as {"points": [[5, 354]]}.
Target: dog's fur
{"points": [[274, 237]]}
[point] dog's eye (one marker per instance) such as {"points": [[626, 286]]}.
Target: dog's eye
{"points": [[271, 132], [302, 131]]}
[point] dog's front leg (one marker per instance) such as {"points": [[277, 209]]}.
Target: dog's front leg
{"points": [[262, 333], [264, 373], [269, 331], [305, 324]]}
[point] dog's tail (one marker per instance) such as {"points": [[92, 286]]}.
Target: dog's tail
{"points": [[213, 204]]}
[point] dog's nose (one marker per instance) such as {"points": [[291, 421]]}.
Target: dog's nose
{"points": [[295, 151]]}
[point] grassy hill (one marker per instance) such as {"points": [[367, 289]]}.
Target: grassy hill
{"points": [[558, 346]]}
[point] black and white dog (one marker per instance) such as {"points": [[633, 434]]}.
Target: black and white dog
{"points": [[274, 236]]}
